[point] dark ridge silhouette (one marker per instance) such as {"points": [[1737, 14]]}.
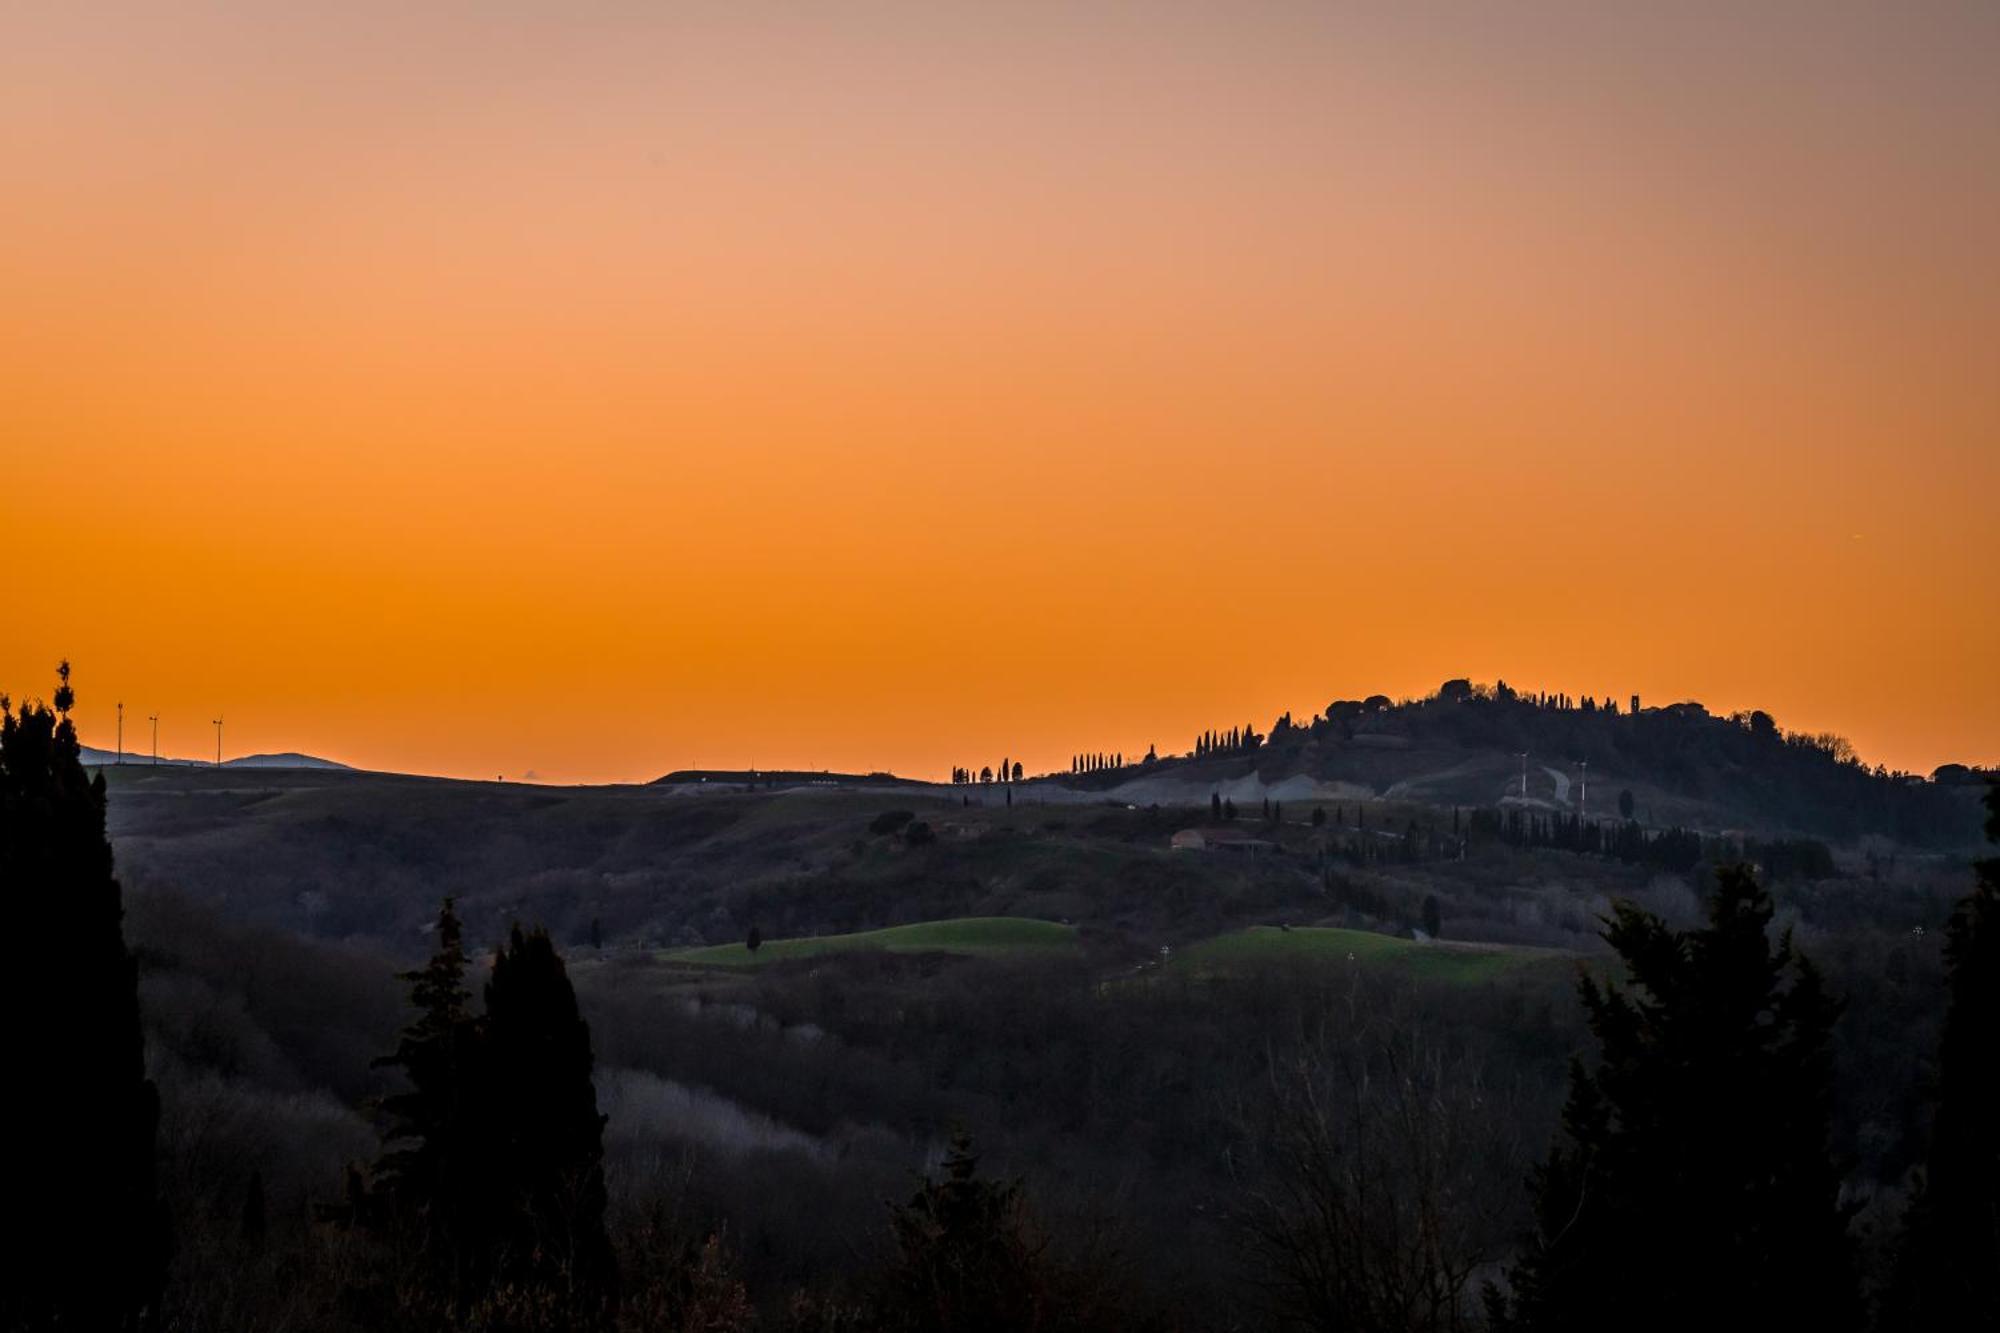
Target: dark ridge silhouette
{"points": [[1464, 745], [93, 757], [778, 777]]}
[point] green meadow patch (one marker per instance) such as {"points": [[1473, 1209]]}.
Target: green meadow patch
{"points": [[1262, 947], [977, 936]]}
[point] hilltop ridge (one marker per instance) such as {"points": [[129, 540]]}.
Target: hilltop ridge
{"points": [[1477, 745]]}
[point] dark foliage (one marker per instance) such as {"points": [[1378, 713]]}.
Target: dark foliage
{"points": [[966, 1257], [1673, 849], [546, 1145], [1693, 1185], [431, 1183], [1948, 1273], [491, 1184], [88, 1246], [970, 1258]]}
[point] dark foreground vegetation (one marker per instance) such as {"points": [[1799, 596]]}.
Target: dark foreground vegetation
{"points": [[1762, 1105]]}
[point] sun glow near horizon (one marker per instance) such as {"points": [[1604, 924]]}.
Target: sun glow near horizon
{"points": [[526, 387]]}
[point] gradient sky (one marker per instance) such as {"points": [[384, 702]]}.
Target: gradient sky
{"points": [[595, 390]]}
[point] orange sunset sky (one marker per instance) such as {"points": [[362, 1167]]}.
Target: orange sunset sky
{"points": [[586, 391]]}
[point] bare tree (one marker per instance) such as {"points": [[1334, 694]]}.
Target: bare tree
{"points": [[1384, 1178]]}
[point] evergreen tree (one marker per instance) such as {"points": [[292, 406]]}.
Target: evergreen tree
{"points": [[1215, 804], [89, 1245], [428, 1189], [1692, 1184], [548, 1136], [967, 1258], [1948, 1273]]}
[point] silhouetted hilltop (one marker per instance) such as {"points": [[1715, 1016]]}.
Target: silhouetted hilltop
{"points": [[1475, 745], [760, 778]]}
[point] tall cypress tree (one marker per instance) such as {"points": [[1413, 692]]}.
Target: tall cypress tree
{"points": [[491, 1178], [90, 1246], [431, 1177], [1948, 1272], [549, 1135], [1692, 1185]]}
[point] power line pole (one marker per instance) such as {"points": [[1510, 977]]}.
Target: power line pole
{"points": [[1583, 790], [154, 718], [1524, 775], [121, 731], [218, 742]]}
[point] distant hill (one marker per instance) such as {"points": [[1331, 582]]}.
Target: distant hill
{"points": [[758, 778], [1471, 745], [286, 759], [289, 759]]}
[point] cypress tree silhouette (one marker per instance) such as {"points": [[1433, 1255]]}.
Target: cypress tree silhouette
{"points": [[1948, 1270], [491, 1177], [1692, 1185], [90, 1246], [430, 1180], [548, 1134]]}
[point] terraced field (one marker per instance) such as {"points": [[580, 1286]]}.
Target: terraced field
{"points": [[979, 937]]}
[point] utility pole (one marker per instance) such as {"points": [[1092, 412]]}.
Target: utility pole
{"points": [[154, 718], [121, 731], [1583, 789], [218, 742], [1524, 775]]}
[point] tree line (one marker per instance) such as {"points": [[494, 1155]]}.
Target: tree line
{"points": [[1673, 849], [1233, 740], [1009, 771]]}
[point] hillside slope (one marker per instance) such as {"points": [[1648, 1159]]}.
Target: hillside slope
{"points": [[1682, 766]]}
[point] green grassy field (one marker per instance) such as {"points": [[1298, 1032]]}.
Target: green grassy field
{"points": [[1264, 946], [979, 936]]}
